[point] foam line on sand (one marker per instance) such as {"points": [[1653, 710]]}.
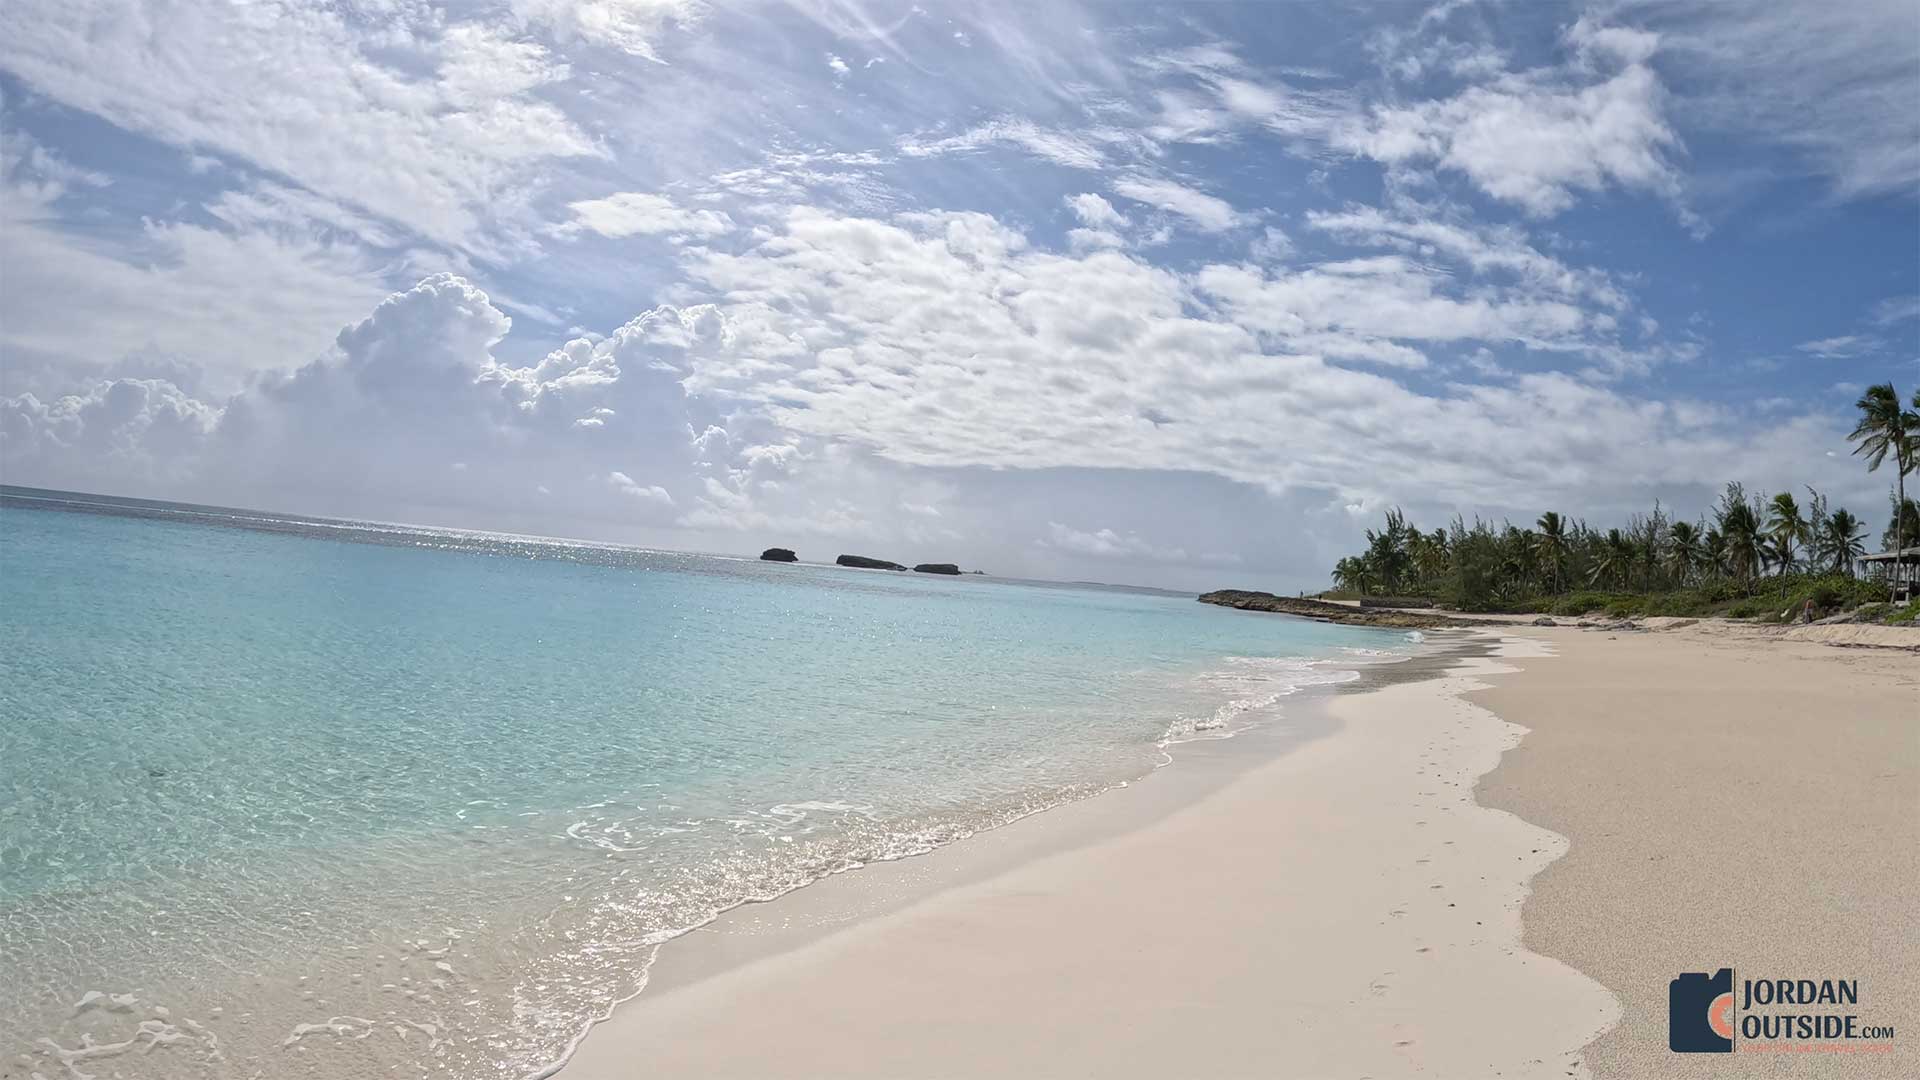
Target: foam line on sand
{"points": [[1345, 909]]}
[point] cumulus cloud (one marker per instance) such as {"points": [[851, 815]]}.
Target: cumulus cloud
{"points": [[234, 299], [1094, 211], [1538, 138], [140, 429], [945, 340]]}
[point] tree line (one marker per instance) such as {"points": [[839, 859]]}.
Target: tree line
{"points": [[1742, 540]]}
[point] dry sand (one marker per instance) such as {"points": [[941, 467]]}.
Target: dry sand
{"points": [[1732, 801], [1347, 909]]}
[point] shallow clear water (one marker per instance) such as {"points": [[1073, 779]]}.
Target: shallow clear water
{"points": [[291, 797]]}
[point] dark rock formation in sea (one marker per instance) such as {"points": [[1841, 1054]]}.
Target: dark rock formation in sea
{"points": [[936, 568], [1326, 612], [779, 555], [861, 562]]}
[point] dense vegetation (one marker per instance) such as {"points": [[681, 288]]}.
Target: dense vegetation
{"points": [[1747, 557]]}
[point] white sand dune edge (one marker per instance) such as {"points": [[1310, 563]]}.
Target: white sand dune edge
{"points": [[1346, 910]]}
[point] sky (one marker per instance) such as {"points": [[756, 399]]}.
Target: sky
{"points": [[1182, 295]]}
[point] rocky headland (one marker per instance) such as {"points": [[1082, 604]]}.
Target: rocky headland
{"points": [[1327, 612]]}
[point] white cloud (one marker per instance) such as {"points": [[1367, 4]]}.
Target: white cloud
{"points": [[388, 110], [1270, 245], [1481, 249], [1094, 211], [1896, 309], [1059, 147], [638, 213], [1124, 547], [1208, 213], [1840, 347], [1835, 82], [830, 357], [632, 26], [272, 289], [1107, 544], [946, 340], [1223, 95], [140, 429], [626, 485], [1537, 138]]}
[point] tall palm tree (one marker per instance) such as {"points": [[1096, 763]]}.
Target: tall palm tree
{"points": [[1786, 530], [1684, 550], [1740, 528], [1387, 551], [1841, 541], [1429, 552], [1886, 429], [1550, 543], [1612, 559], [1713, 551]]}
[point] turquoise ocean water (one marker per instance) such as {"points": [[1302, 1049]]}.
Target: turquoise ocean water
{"points": [[284, 796]]}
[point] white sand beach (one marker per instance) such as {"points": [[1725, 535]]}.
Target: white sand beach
{"points": [[1352, 909]]}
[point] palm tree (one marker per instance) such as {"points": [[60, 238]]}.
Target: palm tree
{"points": [[1550, 543], [1612, 559], [1685, 550], [1740, 527], [1786, 529], [1713, 551], [1886, 428], [1903, 519], [1355, 574], [1429, 552], [1387, 551], [1840, 541]]}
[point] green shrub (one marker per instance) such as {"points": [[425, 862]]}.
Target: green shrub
{"points": [[1906, 615], [1752, 609], [1830, 593], [1581, 603]]}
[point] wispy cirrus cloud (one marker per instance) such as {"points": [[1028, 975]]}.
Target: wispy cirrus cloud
{"points": [[1841, 347]]}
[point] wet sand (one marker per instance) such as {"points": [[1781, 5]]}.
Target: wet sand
{"points": [[1339, 909], [1354, 893]]}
